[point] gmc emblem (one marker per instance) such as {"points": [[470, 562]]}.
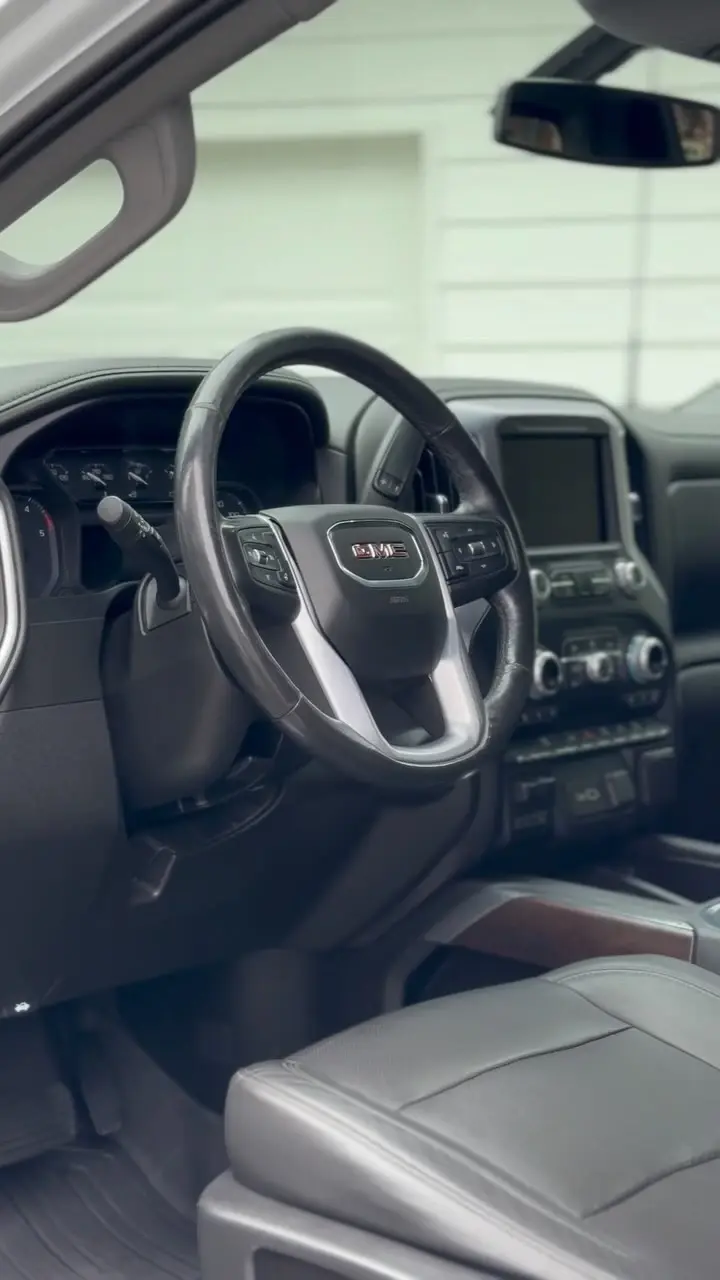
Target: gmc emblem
{"points": [[380, 551]]}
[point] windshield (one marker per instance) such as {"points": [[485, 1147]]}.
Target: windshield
{"points": [[347, 178]]}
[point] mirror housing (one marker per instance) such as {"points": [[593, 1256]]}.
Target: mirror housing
{"points": [[601, 124]]}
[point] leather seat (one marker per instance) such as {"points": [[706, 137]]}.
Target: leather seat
{"points": [[561, 1127]]}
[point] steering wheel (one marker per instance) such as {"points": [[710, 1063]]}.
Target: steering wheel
{"points": [[328, 615]]}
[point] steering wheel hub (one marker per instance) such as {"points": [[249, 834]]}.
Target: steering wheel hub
{"points": [[373, 586]]}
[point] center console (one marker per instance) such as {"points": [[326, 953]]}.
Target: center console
{"points": [[595, 750]]}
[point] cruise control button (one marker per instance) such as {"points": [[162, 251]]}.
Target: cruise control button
{"points": [[493, 547], [263, 556]]}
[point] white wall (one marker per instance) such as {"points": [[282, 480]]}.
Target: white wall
{"points": [[603, 278], [527, 268]]}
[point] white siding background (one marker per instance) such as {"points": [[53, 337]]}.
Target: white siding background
{"points": [[347, 177]]}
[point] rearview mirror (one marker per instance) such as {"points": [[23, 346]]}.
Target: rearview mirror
{"points": [[600, 124]]}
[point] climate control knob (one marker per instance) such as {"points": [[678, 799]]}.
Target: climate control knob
{"points": [[647, 659], [547, 674], [629, 577], [599, 667]]}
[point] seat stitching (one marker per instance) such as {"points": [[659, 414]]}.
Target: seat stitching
{"points": [[652, 1035], [508, 1062], [434, 1180], [694, 1162], [643, 973], [394, 1119]]}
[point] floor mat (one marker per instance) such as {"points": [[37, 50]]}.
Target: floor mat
{"points": [[88, 1213]]}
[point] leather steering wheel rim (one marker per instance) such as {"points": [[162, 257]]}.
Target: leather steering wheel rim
{"points": [[227, 614]]}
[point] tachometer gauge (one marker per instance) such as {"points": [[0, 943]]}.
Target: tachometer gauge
{"points": [[238, 501], [39, 545]]}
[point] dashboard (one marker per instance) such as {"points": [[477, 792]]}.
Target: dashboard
{"points": [[150, 819]]}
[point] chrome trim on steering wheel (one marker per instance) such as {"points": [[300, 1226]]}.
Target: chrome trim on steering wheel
{"points": [[12, 595], [458, 696]]}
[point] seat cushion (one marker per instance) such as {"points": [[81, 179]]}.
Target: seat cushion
{"points": [[561, 1127]]}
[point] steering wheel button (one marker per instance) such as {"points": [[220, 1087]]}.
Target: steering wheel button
{"points": [[443, 540], [263, 556], [455, 567], [265, 577], [264, 537]]}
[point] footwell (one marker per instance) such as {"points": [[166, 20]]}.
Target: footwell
{"points": [[88, 1213]]}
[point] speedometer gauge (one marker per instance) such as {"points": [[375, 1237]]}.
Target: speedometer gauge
{"points": [[238, 501], [39, 545]]}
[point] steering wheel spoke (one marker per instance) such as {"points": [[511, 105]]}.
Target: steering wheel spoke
{"points": [[446, 698]]}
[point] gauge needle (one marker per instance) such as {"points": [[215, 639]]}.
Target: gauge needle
{"points": [[94, 478], [133, 475]]}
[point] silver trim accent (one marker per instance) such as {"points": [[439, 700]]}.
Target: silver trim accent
{"points": [[638, 662], [12, 593], [416, 579], [541, 587], [630, 577], [459, 698], [542, 658]]}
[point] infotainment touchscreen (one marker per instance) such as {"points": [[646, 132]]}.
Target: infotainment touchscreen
{"points": [[554, 484]]}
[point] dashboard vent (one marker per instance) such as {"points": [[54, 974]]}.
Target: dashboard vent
{"points": [[638, 485], [433, 490]]}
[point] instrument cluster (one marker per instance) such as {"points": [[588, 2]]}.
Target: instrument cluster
{"points": [[124, 445], [143, 477]]}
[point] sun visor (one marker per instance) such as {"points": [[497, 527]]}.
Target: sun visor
{"points": [[691, 26]]}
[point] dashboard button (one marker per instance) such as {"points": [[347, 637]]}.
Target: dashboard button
{"points": [[601, 583], [588, 797], [535, 822], [621, 788], [563, 588]]}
